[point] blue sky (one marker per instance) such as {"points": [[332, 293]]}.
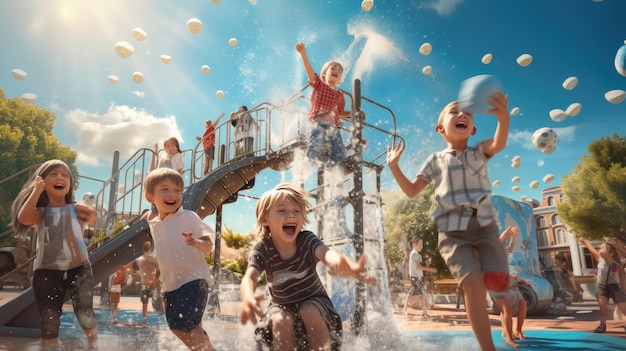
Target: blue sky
{"points": [[67, 49]]}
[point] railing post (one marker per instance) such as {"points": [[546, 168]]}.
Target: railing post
{"points": [[357, 200], [111, 213]]}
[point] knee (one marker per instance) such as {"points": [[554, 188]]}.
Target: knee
{"points": [[282, 321]]}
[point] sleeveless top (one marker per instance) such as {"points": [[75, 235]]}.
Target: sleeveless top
{"points": [[60, 244]]}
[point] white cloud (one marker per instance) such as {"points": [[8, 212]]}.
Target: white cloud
{"points": [[444, 7], [121, 128], [140, 94]]}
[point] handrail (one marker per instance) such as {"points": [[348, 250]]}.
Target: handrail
{"points": [[280, 125]]}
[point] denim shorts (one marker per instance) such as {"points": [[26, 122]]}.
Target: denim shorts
{"points": [[319, 135], [185, 306]]}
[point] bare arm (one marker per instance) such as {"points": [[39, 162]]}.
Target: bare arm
{"points": [[341, 266], [410, 188], [217, 121], [153, 160], [250, 307], [203, 243], [509, 232], [85, 214], [29, 214], [590, 247], [501, 135], [310, 73]]}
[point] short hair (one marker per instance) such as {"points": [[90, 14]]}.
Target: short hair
{"points": [[560, 257], [443, 112], [331, 64], [416, 240], [289, 191], [160, 175]]}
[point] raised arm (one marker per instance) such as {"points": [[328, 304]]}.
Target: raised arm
{"points": [[28, 213], [217, 121], [153, 160], [589, 247], [410, 188], [310, 72], [501, 135]]}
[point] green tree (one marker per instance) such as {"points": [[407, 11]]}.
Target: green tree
{"points": [[26, 139], [595, 191], [407, 218]]}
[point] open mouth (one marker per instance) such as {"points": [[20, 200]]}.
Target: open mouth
{"points": [[289, 229], [59, 186], [461, 124], [170, 202]]}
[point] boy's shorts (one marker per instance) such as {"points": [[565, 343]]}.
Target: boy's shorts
{"points": [[476, 249], [185, 306], [417, 286]]}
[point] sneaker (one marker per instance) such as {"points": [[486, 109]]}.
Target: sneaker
{"points": [[426, 316], [600, 329]]}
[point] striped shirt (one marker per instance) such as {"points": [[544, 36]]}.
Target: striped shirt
{"points": [[461, 186], [327, 103], [293, 280]]}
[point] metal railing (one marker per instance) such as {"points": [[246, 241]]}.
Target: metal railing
{"points": [[120, 202]]}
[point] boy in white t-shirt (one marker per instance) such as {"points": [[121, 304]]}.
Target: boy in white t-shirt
{"points": [[181, 240], [416, 272]]}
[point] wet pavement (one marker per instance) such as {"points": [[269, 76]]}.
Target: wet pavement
{"points": [[447, 327]]}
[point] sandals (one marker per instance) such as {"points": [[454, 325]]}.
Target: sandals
{"points": [[600, 329]]}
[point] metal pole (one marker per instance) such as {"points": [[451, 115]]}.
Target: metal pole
{"points": [[357, 200], [213, 305]]}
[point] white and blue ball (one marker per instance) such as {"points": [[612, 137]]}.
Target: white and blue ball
{"points": [[620, 60], [475, 93], [544, 138]]}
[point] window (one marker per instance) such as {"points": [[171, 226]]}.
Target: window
{"points": [[542, 238], [550, 201], [555, 219], [590, 261], [561, 236], [541, 222]]}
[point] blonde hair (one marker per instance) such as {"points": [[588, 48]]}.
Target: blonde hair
{"points": [[160, 175], [443, 112], [289, 191], [29, 186], [328, 65]]}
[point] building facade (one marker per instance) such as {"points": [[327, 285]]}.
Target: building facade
{"points": [[554, 237]]}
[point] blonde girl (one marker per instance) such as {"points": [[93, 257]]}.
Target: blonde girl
{"points": [[300, 311], [46, 203]]}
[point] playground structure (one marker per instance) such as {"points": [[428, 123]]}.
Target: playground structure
{"points": [[280, 142], [279, 145]]}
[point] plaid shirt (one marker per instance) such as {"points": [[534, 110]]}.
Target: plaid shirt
{"points": [[326, 103], [461, 186]]}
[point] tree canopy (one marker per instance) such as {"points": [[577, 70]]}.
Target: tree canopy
{"points": [[595, 191], [26, 138]]}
